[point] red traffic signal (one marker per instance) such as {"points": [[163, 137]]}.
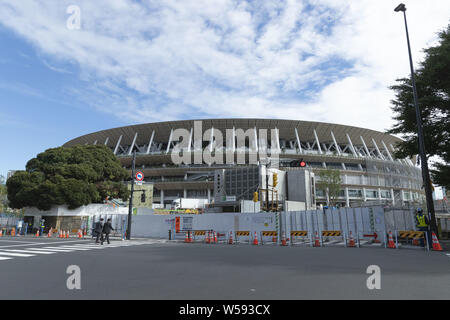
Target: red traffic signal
{"points": [[298, 163]]}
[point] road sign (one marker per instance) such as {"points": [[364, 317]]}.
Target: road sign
{"points": [[139, 176]]}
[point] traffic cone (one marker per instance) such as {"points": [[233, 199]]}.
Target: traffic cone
{"points": [[255, 239], [230, 240], [186, 238], [1, 232], [283, 239], [415, 242], [215, 237], [391, 243], [49, 234], [436, 244], [274, 239], [207, 238], [316, 240], [85, 232], [67, 234], [351, 242], [37, 233]]}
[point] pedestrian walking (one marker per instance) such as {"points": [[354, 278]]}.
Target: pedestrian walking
{"points": [[98, 230], [107, 227]]}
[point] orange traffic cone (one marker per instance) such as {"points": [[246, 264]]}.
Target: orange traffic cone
{"points": [[274, 239], [351, 242], [415, 242], [67, 234], [230, 240], [283, 239], [37, 233], [1, 232], [49, 234], [436, 244], [391, 243], [186, 238], [255, 239], [316, 240], [215, 237], [207, 238]]}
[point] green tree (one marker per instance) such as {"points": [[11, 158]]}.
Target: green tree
{"points": [[73, 176], [330, 182], [433, 88]]}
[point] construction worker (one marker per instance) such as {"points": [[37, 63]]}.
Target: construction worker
{"points": [[422, 224], [42, 227], [107, 227]]}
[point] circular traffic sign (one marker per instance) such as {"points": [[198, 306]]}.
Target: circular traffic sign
{"points": [[139, 176]]}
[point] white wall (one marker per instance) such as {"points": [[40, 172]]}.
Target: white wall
{"points": [[89, 210]]}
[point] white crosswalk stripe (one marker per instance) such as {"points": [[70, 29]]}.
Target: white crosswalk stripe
{"points": [[8, 254], [29, 251], [12, 254]]}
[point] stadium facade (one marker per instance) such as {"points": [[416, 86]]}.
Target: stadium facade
{"points": [[369, 171]]}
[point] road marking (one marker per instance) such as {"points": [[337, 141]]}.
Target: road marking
{"points": [[4, 258], [30, 251], [73, 248], [16, 254], [54, 249], [15, 241], [87, 246]]}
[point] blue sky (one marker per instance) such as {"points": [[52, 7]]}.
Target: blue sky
{"points": [[143, 61]]}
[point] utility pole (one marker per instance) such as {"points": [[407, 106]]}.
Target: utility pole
{"points": [[130, 207], [422, 153]]}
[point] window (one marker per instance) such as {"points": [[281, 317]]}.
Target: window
{"points": [[371, 193], [385, 194], [352, 193]]}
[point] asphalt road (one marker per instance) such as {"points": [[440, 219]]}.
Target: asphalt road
{"points": [[151, 269]]}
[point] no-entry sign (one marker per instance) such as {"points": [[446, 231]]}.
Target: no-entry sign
{"points": [[139, 176]]}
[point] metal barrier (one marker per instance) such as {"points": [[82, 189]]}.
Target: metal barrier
{"points": [[296, 234], [238, 234], [413, 235], [332, 233], [272, 234], [199, 233]]}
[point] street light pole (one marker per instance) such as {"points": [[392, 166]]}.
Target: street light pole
{"points": [[423, 156], [130, 206]]}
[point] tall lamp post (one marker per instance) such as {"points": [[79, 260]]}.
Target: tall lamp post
{"points": [[423, 156], [130, 206]]}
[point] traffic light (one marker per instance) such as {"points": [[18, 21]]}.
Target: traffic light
{"points": [[143, 197], [298, 163], [255, 196], [275, 179]]}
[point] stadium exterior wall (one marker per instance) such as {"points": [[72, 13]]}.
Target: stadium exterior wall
{"points": [[369, 171]]}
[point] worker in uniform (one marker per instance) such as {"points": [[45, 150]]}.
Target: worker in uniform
{"points": [[422, 224], [42, 227]]}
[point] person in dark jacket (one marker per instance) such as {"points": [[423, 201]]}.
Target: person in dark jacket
{"points": [[107, 229], [98, 230]]}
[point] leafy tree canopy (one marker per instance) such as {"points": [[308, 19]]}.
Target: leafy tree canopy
{"points": [[330, 182], [74, 176], [433, 88]]}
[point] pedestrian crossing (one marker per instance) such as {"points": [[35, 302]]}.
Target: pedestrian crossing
{"points": [[9, 254]]}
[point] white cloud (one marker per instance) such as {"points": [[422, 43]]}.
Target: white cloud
{"points": [[225, 58]]}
